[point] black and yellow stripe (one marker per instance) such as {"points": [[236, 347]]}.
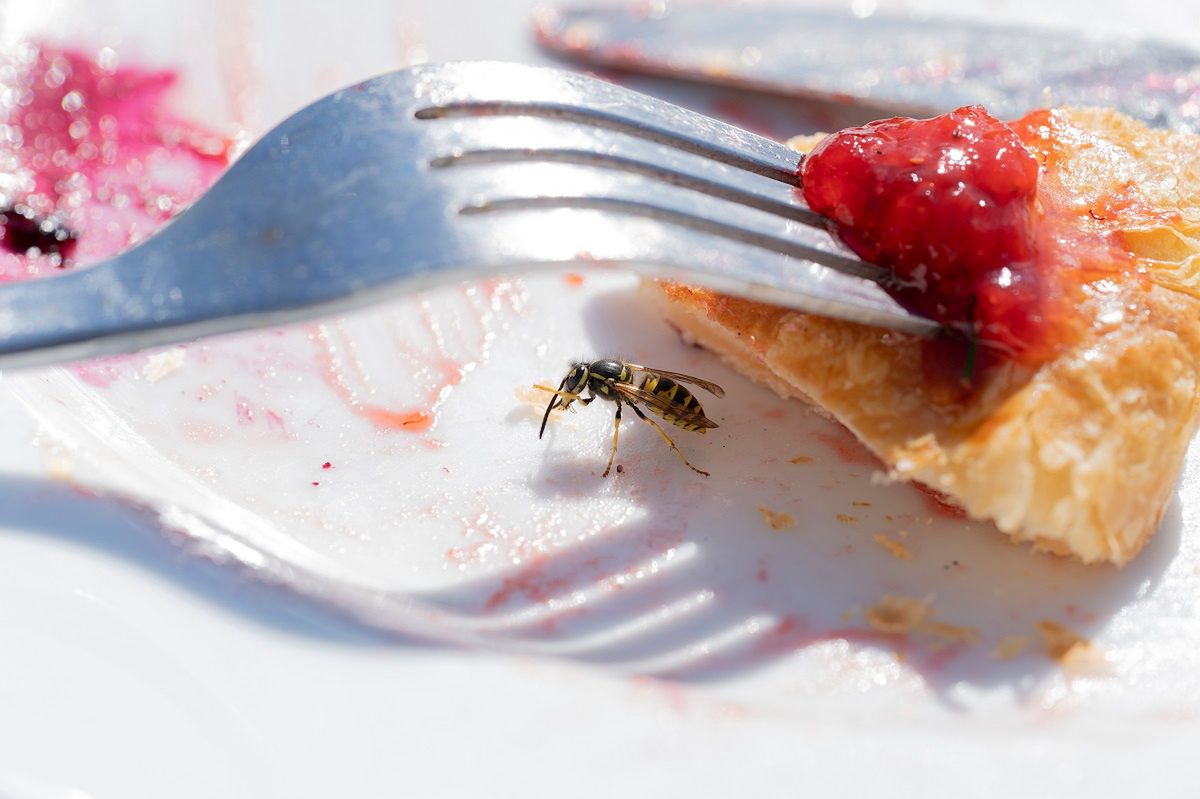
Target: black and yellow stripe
{"points": [[684, 409]]}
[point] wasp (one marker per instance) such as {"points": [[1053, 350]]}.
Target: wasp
{"points": [[623, 383]]}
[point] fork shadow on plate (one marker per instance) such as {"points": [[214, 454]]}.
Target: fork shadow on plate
{"points": [[694, 586], [126, 529], [697, 587]]}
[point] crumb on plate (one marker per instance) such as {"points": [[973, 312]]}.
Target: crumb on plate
{"points": [[1009, 647], [1074, 652], [893, 547], [776, 521], [61, 468], [950, 633], [897, 614], [161, 364]]}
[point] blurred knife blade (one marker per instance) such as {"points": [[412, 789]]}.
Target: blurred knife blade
{"points": [[905, 64]]}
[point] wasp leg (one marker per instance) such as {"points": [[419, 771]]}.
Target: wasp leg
{"points": [[666, 438], [616, 432]]}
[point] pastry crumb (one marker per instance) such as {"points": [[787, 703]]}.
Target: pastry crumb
{"points": [[1009, 647], [801, 459], [776, 521], [161, 364], [950, 633], [531, 404], [1074, 652], [846, 518], [897, 614], [61, 469], [894, 547], [528, 395]]}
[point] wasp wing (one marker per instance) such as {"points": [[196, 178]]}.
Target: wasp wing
{"points": [[707, 385], [661, 404]]}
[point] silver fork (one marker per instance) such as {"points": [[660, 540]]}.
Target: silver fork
{"points": [[447, 172]]}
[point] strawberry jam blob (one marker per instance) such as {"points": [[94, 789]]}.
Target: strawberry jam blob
{"points": [[950, 205]]}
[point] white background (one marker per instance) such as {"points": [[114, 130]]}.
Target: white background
{"points": [[130, 670]]}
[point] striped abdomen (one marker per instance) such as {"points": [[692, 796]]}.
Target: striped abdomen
{"points": [[684, 409]]}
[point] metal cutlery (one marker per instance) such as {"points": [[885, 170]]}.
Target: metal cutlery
{"points": [[447, 172]]}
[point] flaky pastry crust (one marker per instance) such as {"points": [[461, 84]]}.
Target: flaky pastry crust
{"points": [[1079, 455]]}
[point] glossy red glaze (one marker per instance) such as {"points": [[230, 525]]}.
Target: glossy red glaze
{"points": [[950, 205]]}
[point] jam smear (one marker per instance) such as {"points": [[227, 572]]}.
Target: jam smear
{"points": [[24, 232], [92, 159], [950, 205]]}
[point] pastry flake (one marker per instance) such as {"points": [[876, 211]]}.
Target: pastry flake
{"points": [[1078, 454]]}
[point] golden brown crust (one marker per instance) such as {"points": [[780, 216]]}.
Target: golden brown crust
{"points": [[1079, 456]]}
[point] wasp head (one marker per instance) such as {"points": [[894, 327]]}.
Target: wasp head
{"points": [[568, 391]]}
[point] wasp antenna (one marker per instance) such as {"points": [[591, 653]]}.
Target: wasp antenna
{"points": [[554, 400]]}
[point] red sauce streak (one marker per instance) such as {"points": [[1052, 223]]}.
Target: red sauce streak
{"points": [[413, 421], [939, 503], [962, 209], [573, 279]]}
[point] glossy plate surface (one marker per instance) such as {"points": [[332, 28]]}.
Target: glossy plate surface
{"points": [[655, 619]]}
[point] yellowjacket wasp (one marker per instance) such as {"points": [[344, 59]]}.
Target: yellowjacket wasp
{"points": [[630, 384]]}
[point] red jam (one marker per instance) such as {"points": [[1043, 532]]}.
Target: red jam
{"points": [[91, 159], [951, 206]]}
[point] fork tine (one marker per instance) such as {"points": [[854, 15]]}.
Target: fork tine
{"points": [[587, 225], [514, 164], [688, 132], [789, 210], [492, 142], [697, 222]]}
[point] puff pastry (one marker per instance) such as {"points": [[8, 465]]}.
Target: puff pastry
{"points": [[1079, 454]]}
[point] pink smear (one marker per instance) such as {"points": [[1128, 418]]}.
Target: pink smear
{"points": [[92, 149], [244, 411], [531, 581], [102, 373], [848, 449], [275, 422], [415, 420]]}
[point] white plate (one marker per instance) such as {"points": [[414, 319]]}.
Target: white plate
{"points": [[474, 533]]}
